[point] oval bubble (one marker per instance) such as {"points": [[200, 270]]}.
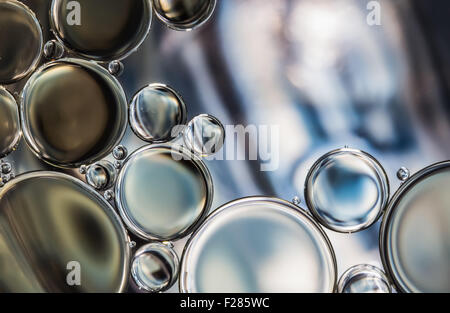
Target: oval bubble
{"points": [[364, 279], [184, 15], [258, 245], [54, 227], [204, 135], [101, 30], [53, 50], [347, 190], [73, 112], [155, 267], [18, 57], [163, 192], [155, 111], [9, 123], [415, 233], [101, 175]]}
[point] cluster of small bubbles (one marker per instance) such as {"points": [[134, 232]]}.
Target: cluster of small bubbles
{"points": [[115, 68], [53, 50], [403, 174], [120, 153], [204, 135], [101, 175], [108, 195]]}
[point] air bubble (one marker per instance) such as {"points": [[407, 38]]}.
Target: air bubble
{"points": [[204, 135], [9, 123], [403, 174], [53, 50], [115, 68], [83, 169], [346, 190], [101, 30], [296, 200], [184, 15], [155, 267], [101, 175], [120, 153], [109, 195], [155, 111], [21, 41], [364, 279], [5, 168]]}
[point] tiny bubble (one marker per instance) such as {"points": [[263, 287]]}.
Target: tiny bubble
{"points": [[403, 174]]}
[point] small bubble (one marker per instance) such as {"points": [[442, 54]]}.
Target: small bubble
{"points": [[204, 135], [83, 169], [115, 68], [296, 200], [5, 179], [2, 183], [109, 195], [403, 174], [132, 244], [120, 152], [53, 50], [118, 165], [6, 168], [101, 175]]}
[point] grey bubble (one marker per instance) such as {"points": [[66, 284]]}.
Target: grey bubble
{"points": [[53, 50], [120, 153], [9, 123], [364, 279], [115, 68], [403, 174], [204, 135], [101, 175]]}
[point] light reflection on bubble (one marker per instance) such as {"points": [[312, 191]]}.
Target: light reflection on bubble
{"points": [[9, 123]]}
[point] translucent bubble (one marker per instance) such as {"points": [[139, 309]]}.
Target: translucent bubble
{"points": [[115, 68], [364, 279], [163, 192], [101, 175], [5, 168], [120, 152], [73, 112], [184, 14], [21, 41], [101, 30], [403, 174], [55, 218], [258, 245], [346, 190], [53, 50], [204, 135], [109, 195], [415, 233], [155, 267], [154, 112], [9, 123]]}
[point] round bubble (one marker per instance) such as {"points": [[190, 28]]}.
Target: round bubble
{"points": [[347, 190], [53, 224], [184, 15], [204, 135], [163, 192], [73, 112], [415, 233], [21, 41], [364, 279], [101, 175], [258, 245], [155, 113], [99, 29], [9, 123], [155, 267]]}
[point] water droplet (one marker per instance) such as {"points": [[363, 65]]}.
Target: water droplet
{"points": [[296, 200], [155, 112], [106, 30], [204, 135], [403, 174], [120, 152], [184, 15], [73, 112], [101, 175], [364, 279], [53, 50], [163, 192], [115, 68], [155, 267], [108, 195], [346, 190], [9, 122], [18, 55], [6, 168]]}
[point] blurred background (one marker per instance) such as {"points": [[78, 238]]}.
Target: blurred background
{"points": [[317, 70]]}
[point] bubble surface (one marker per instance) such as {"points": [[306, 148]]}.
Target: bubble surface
{"points": [[101, 175], [258, 245], [163, 192], [154, 112], [9, 123], [101, 30], [49, 219], [204, 135], [415, 234], [364, 279], [155, 267], [346, 190], [18, 57], [73, 112], [184, 15]]}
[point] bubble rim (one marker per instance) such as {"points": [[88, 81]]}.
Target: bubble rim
{"points": [[118, 57], [108, 209], [203, 171], [382, 177], [387, 219], [183, 284], [38, 56], [29, 140], [15, 143], [355, 270]]}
